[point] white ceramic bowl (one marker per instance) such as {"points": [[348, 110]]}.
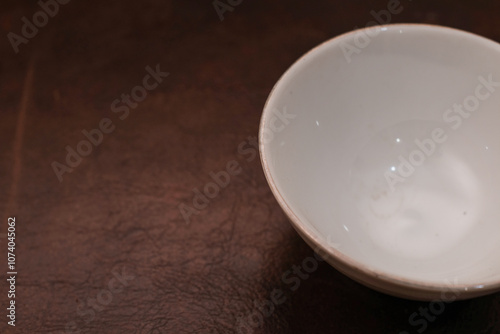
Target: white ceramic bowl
{"points": [[382, 146]]}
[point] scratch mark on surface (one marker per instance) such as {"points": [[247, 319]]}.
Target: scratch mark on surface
{"points": [[18, 140]]}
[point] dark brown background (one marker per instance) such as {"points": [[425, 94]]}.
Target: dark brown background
{"points": [[118, 210]]}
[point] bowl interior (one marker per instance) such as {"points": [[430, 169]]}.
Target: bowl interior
{"points": [[386, 142]]}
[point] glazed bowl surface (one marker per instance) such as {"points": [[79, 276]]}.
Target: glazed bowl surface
{"points": [[382, 146]]}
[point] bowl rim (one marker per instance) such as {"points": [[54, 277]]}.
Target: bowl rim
{"points": [[339, 258]]}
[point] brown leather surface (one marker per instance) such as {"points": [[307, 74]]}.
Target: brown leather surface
{"points": [[107, 250]]}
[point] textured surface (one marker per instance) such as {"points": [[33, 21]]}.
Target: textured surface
{"points": [[107, 250]]}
